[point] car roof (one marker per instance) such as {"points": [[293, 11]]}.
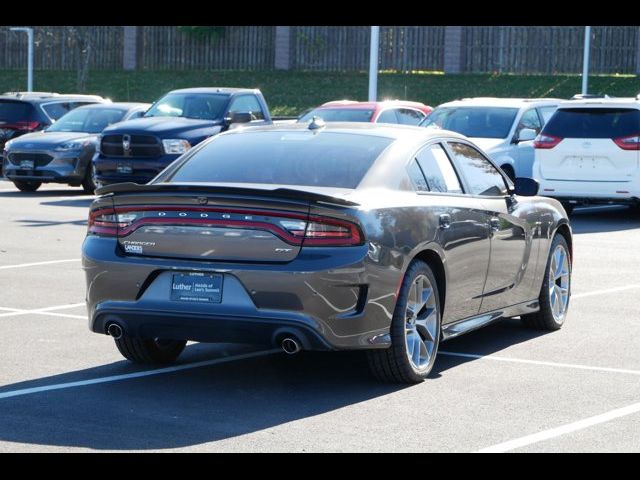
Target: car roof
{"points": [[388, 130], [116, 105], [223, 90], [501, 102], [369, 105], [624, 102], [41, 97]]}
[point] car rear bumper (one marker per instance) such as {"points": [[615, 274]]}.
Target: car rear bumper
{"points": [[591, 192], [324, 297]]}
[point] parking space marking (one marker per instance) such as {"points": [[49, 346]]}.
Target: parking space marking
{"points": [[46, 310], [562, 430], [540, 362], [34, 264], [608, 290], [129, 376]]}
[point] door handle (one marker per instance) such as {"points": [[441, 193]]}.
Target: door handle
{"points": [[494, 223], [445, 220]]}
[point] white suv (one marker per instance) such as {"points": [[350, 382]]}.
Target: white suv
{"points": [[503, 127], [589, 152]]}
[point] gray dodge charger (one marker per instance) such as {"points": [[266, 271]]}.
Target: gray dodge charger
{"points": [[382, 238]]}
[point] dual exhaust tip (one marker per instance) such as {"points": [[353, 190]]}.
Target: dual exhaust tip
{"points": [[290, 345]]}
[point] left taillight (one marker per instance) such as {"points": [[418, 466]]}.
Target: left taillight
{"points": [[632, 142], [323, 231], [105, 222]]}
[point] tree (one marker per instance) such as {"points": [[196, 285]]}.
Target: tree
{"points": [[82, 38]]}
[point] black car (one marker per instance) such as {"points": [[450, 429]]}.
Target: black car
{"points": [[385, 239], [137, 150], [63, 152], [25, 112]]}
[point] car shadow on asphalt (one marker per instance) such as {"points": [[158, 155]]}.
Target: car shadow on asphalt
{"points": [[73, 192], [189, 407], [51, 223], [80, 202], [604, 219]]}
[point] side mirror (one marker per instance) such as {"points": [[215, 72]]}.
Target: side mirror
{"points": [[526, 187], [525, 135], [237, 117]]}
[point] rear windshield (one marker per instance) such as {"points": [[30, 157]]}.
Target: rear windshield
{"points": [[15, 111], [339, 115], [480, 122], [306, 158], [593, 123]]}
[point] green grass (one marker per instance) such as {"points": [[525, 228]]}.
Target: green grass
{"points": [[288, 93]]}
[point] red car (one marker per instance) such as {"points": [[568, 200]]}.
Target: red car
{"points": [[390, 111]]}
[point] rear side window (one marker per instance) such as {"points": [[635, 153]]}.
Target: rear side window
{"points": [[437, 170], [57, 110], [11, 112], [284, 158], [593, 123], [247, 103]]}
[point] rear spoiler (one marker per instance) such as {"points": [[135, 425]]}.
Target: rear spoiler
{"points": [[288, 193]]}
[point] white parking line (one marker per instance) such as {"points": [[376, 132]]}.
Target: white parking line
{"points": [[128, 376], [51, 262], [563, 430], [540, 362], [608, 290], [46, 310]]}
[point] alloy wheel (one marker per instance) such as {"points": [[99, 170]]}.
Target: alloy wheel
{"points": [[421, 322]]}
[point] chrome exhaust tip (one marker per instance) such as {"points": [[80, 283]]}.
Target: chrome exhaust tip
{"points": [[290, 346], [115, 331]]}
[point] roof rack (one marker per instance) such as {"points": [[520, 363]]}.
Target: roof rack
{"points": [[582, 96]]}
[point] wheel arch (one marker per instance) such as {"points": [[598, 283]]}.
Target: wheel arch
{"points": [[432, 258], [564, 229]]}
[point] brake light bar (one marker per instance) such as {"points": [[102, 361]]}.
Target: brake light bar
{"points": [[546, 141], [632, 142], [293, 228]]}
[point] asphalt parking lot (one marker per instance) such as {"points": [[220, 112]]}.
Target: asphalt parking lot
{"points": [[503, 388]]}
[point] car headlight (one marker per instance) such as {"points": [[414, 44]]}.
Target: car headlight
{"points": [[175, 145], [66, 147]]}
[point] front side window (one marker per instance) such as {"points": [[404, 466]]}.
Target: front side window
{"points": [[388, 116], [479, 122], [201, 106], [481, 176], [546, 112], [437, 170], [408, 116], [249, 104], [530, 120]]}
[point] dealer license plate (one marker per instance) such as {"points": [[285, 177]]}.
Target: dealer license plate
{"points": [[197, 287]]}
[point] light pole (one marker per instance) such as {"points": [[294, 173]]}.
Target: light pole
{"points": [[585, 60], [29, 32], [373, 64]]}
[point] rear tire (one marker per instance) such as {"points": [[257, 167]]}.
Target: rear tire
{"points": [[26, 185], [508, 169], [150, 350], [415, 330], [556, 289]]}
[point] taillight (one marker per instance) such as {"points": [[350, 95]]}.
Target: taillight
{"points": [[544, 140], [105, 222], [632, 142], [322, 231], [25, 126]]}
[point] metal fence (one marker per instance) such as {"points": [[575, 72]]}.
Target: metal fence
{"points": [[508, 49]]}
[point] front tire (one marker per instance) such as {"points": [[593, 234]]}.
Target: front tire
{"points": [[415, 330], [556, 289], [26, 185], [88, 182], [150, 350]]}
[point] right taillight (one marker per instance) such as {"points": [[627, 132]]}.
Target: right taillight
{"points": [[546, 141], [632, 142]]}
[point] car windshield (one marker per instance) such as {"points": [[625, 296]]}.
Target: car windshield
{"points": [[328, 159], [203, 106], [87, 120], [339, 115], [480, 122], [594, 123]]}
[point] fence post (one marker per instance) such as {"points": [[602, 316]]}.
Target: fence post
{"points": [[638, 52], [283, 48], [130, 48], [452, 49]]}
